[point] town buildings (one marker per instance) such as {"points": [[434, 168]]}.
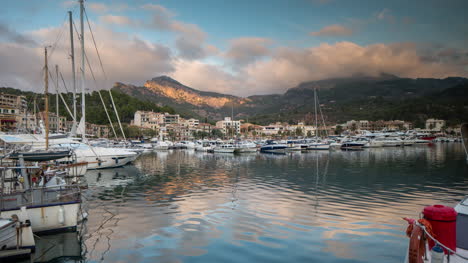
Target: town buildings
{"points": [[229, 126]]}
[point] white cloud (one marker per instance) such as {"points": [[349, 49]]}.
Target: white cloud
{"points": [[126, 58], [245, 50]]}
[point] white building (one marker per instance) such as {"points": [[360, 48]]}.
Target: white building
{"points": [[228, 125], [273, 129], [434, 125]]}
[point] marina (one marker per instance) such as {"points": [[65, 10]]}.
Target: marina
{"points": [[184, 205], [293, 131]]}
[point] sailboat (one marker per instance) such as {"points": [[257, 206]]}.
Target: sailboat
{"points": [[93, 157], [41, 197], [317, 144]]}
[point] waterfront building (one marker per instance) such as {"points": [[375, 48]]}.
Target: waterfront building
{"points": [[435, 125], [12, 108], [228, 125]]}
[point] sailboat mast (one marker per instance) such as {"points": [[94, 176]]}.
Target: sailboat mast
{"points": [[72, 55], [83, 103], [46, 99], [57, 97], [315, 106]]}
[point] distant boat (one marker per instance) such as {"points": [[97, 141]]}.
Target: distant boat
{"points": [[224, 148], [273, 148]]}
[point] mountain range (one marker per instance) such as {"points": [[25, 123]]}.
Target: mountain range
{"points": [[358, 97]]}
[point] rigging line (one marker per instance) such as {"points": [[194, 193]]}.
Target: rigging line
{"points": [[95, 46], [60, 95], [64, 85], [59, 36], [100, 95], [105, 76]]}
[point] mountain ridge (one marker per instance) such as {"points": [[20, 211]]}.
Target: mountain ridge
{"points": [[297, 101]]}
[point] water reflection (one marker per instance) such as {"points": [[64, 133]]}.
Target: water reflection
{"points": [[184, 206]]}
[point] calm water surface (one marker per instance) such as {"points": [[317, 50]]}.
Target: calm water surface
{"points": [[183, 206]]}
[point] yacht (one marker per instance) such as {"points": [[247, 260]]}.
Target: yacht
{"points": [[245, 147], [272, 147], [224, 148]]}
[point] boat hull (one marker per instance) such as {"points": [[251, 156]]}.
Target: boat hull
{"points": [[49, 218]]}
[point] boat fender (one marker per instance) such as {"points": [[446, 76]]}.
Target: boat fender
{"points": [[437, 254], [61, 215]]}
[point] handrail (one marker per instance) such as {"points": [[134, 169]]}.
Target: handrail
{"points": [[438, 242]]}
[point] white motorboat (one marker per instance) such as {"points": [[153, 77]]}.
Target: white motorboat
{"points": [[224, 148], [100, 157], [204, 146], [245, 147], [160, 145], [318, 146]]}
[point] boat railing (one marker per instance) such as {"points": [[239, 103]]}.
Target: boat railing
{"points": [[40, 196]]}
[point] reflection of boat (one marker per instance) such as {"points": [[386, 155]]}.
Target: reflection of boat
{"points": [[445, 232], [58, 247], [352, 146], [111, 177]]}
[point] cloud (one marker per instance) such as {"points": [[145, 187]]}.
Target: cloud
{"points": [[245, 50], [190, 39], [98, 7], [333, 30], [117, 20], [207, 77], [126, 58], [288, 67], [9, 35]]}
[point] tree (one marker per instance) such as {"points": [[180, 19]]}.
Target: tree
{"points": [[216, 133], [338, 130], [299, 131], [309, 133]]}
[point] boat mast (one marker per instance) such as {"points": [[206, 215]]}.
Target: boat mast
{"points": [[72, 55], [57, 97], [83, 103], [46, 99], [315, 106]]}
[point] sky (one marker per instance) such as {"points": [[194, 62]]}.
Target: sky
{"points": [[235, 47]]}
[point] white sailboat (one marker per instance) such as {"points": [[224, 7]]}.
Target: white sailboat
{"points": [[317, 144]]}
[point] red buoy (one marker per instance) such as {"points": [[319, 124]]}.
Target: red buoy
{"points": [[443, 220]]}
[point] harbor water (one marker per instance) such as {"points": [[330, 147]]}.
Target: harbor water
{"points": [[323, 206]]}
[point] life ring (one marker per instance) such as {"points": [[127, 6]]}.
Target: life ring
{"points": [[417, 246]]}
